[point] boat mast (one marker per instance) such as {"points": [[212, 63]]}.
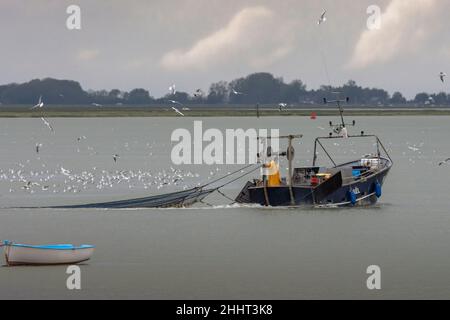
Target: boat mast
{"points": [[341, 111], [290, 156], [338, 127]]}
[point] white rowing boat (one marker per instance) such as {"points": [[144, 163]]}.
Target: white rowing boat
{"points": [[54, 254]]}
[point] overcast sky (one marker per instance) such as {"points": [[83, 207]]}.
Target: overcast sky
{"points": [[192, 43]]}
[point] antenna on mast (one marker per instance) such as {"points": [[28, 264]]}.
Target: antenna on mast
{"points": [[338, 128]]}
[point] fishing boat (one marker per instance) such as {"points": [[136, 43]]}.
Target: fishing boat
{"points": [[355, 183], [53, 254]]}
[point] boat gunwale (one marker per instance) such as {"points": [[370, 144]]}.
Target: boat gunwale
{"points": [[50, 247], [386, 168]]}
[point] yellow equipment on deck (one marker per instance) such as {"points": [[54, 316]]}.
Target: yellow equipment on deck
{"points": [[274, 178]]}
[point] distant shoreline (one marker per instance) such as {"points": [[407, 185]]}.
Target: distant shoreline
{"points": [[211, 111]]}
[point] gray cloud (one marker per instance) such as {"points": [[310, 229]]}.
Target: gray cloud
{"points": [[404, 27], [248, 37]]}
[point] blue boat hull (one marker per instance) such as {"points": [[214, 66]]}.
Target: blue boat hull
{"points": [[363, 192]]}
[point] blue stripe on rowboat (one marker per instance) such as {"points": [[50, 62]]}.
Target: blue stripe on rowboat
{"points": [[50, 246]]}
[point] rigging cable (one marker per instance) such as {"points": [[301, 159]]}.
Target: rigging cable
{"points": [[224, 177], [322, 54]]}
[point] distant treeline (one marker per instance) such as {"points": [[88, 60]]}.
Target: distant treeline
{"points": [[261, 88]]}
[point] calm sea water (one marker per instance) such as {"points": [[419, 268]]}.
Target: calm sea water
{"points": [[221, 252]]}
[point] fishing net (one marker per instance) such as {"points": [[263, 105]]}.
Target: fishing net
{"points": [[170, 200]]}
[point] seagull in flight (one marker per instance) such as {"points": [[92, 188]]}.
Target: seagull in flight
{"points": [[176, 102], [40, 104], [180, 104], [322, 17], [115, 157], [38, 147], [198, 93], [27, 186], [177, 111], [446, 161], [65, 171], [47, 124], [173, 89], [442, 76], [281, 106], [236, 92], [97, 105]]}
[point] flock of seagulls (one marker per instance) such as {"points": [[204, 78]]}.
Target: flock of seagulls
{"points": [[38, 146], [65, 181], [172, 91]]}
